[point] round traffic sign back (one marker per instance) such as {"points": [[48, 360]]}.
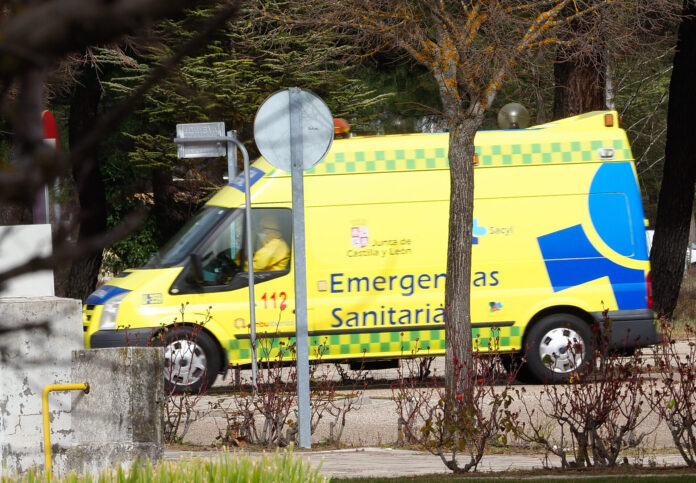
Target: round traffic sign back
{"points": [[272, 130]]}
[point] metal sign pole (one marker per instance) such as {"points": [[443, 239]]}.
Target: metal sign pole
{"points": [[200, 143], [309, 139], [231, 157], [231, 174], [302, 336], [250, 262]]}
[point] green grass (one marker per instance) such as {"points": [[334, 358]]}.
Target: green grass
{"points": [[226, 467]]}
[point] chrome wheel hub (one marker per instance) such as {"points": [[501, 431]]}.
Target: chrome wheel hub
{"points": [[562, 350], [184, 363]]}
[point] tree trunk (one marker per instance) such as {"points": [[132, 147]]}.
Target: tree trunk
{"points": [[538, 81], [458, 287], [12, 213], [677, 190], [28, 132], [578, 71], [84, 273], [168, 218], [578, 88]]}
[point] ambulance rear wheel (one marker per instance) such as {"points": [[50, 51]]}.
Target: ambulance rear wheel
{"points": [[191, 360], [559, 347]]}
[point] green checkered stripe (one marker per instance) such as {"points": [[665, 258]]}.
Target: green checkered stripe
{"points": [[495, 338], [339, 346], [382, 160], [549, 153], [488, 155], [372, 344]]}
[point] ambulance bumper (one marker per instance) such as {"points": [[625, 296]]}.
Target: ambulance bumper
{"points": [[121, 338], [629, 329]]}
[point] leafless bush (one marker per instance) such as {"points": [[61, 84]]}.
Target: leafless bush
{"points": [[268, 417], [180, 411], [671, 389], [468, 423], [327, 403], [239, 417], [263, 416], [414, 396], [182, 387], [596, 416], [451, 425]]}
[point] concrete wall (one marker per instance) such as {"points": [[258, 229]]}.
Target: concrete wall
{"points": [[18, 244], [119, 420], [121, 417], [30, 360]]}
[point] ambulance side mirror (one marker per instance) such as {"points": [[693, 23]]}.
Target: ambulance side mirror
{"points": [[196, 273]]}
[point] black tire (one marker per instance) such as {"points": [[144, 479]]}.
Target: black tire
{"points": [[513, 363], [191, 360], [560, 346]]}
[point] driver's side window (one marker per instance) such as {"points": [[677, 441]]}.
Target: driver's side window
{"points": [[220, 260], [225, 256]]}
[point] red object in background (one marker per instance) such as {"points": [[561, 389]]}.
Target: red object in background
{"points": [[41, 208], [50, 128]]}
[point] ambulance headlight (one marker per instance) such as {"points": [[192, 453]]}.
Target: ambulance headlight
{"points": [[108, 317]]}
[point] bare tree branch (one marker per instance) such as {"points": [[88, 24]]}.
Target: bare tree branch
{"points": [[42, 164], [113, 117]]}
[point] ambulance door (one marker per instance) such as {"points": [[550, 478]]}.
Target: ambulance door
{"points": [[220, 283], [274, 283]]}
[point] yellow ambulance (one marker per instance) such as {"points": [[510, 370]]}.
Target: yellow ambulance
{"points": [[558, 237]]}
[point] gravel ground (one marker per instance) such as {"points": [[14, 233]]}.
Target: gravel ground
{"points": [[373, 421]]}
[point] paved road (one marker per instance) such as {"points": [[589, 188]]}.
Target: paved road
{"points": [[380, 462]]}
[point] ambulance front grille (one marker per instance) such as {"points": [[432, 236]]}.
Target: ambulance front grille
{"points": [[87, 313]]}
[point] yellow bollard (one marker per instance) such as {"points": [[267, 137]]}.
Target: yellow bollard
{"points": [[48, 467]]}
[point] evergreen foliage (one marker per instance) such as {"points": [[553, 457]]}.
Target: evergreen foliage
{"points": [[257, 55], [226, 81]]}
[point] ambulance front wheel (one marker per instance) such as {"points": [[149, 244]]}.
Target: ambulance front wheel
{"points": [[559, 346], [191, 360]]}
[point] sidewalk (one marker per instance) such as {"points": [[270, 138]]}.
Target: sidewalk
{"points": [[386, 462], [373, 424]]}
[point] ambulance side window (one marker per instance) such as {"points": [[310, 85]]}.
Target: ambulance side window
{"points": [[220, 260], [271, 239]]}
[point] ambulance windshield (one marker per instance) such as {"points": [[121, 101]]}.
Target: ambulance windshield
{"points": [[187, 238]]}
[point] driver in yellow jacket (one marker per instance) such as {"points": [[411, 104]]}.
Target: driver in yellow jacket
{"points": [[274, 253]]}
